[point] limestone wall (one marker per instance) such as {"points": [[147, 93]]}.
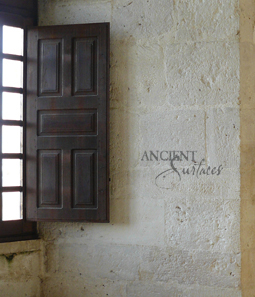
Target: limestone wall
{"points": [[175, 86], [22, 266]]}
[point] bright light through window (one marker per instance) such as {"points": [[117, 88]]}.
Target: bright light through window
{"points": [[12, 106], [12, 73], [12, 206], [11, 126], [13, 40], [11, 173], [11, 139]]}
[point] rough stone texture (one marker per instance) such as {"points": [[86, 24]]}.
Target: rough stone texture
{"points": [[203, 20], [23, 287], [223, 137], [203, 224], [182, 20], [184, 267], [171, 289], [73, 11], [172, 131], [174, 86], [21, 268], [136, 88], [201, 72], [80, 287]]}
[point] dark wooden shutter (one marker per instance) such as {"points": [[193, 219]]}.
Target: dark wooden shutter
{"points": [[67, 123]]}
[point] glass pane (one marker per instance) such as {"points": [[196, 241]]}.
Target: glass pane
{"points": [[12, 106], [13, 40], [11, 139], [12, 206], [12, 73], [12, 174]]}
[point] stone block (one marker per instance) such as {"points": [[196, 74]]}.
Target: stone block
{"points": [[66, 286], [115, 262], [189, 268], [161, 289], [200, 291], [24, 265], [138, 80], [180, 21], [223, 186], [202, 224], [157, 289], [62, 12], [214, 20], [136, 184], [162, 183], [141, 19], [223, 137], [23, 288], [124, 140], [174, 130], [202, 73], [21, 246]]}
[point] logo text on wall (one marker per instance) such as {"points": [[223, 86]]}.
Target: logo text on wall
{"points": [[177, 170]]}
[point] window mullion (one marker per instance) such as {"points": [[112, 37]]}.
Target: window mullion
{"points": [[1, 98], [12, 57], [11, 123], [10, 89]]}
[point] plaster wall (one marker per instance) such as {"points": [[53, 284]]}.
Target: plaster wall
{"points": [[175, 86]]}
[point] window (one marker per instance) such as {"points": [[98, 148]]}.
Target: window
{"points": [[64, 154], [13, 224], [11, 131]]}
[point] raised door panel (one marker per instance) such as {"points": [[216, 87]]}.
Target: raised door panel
{"points": [[85, 66], [49, 178], [50, 67], [67, 122], [84, 176]]}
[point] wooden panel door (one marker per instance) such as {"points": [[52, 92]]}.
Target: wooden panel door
{"points": [[67, 123]]}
